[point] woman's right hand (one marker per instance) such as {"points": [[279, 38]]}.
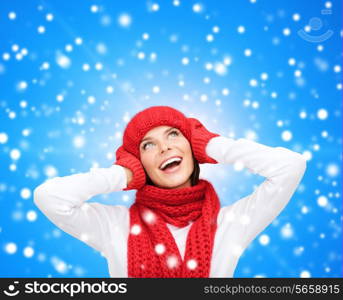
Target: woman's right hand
{"points": [[134, 169]]}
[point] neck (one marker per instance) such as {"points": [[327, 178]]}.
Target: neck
{"points": [[183, 185]]}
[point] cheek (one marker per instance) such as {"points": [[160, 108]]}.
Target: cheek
{"points": [[187, 150], [186, 147], [147, 161]]}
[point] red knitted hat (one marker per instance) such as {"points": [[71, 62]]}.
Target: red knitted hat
{"points": [[149, 118]]}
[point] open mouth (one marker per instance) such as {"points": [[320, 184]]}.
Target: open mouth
{"points": [[171, 165]]}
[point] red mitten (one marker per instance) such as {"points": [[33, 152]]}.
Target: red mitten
{"points": [[127, 160], [200, 137]]}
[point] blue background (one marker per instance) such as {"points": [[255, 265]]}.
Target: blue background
{"points": [[59, 118]]}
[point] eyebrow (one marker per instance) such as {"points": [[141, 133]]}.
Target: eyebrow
{"points": [[148, 137]]}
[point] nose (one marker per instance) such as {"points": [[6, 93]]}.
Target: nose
{"points": [[164, 147]]}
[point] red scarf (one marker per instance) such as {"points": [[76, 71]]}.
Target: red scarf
{"points": [[152, 251]]}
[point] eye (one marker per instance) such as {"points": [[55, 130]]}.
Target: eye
{"points": [[144, 145], [174, 131]]}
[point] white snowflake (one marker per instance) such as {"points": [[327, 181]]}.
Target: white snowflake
{"points": [[28, 252], [192, 264], [136, 229], [264, 239], [15, 154], [11, 248], [322, 114], [160, 249], [149, 217], [3, 137], [124, 20], [172, 261]]}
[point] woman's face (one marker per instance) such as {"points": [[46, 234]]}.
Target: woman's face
{"points": [[159, 145]]}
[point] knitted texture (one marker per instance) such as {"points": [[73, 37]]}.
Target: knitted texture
{"points": [[152, 250], [149, 118], [127, 160], [200, 137]]}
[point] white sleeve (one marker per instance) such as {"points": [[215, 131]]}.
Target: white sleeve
{"points": [[62, 200], [283, 170]]}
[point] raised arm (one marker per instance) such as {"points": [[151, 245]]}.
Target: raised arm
{"points": [[63, 201], [283, 170]]}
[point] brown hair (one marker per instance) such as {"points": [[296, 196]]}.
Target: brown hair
{"points": [[194, 176]]}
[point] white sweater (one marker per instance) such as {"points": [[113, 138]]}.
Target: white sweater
{"points": [[106, 227]]}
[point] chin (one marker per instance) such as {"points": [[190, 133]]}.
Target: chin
{"points": [[174, 184]]}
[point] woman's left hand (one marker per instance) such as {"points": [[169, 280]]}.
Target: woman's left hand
{"points": [[200, 137]]}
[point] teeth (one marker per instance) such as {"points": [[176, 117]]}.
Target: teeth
{"points": [[173, 159]]}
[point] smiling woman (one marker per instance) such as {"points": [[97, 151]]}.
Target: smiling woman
{"points": [[165, 144], [176, 226]]}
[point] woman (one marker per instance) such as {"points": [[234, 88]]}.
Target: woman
{"points": [[175, 227]]}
